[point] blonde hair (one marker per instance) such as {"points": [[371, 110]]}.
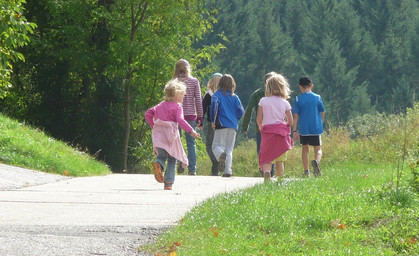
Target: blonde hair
{"points": [[182, 67], [173, 88], [227, 83], [277, 85], [269, 75], [213, 82]]}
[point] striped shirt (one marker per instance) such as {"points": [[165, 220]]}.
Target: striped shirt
{"points": [[192, 102]]}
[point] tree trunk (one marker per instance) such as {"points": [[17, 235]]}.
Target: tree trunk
{"points": [[127, 118]]}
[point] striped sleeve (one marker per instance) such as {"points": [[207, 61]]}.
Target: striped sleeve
{"points": [[192, 103]]}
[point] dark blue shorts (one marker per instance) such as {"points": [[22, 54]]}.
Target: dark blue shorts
{"points": [[315, 140]]}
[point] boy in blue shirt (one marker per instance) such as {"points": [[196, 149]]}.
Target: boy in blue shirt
{"points": [[308, 113]]}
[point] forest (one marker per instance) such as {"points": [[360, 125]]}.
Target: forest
{"points": [[85, 71]]}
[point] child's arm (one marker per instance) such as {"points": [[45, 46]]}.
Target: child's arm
{"points": [[290, 120], [198, 104], [248, 114], [214, 109], [184, 124], [322, 116], [259, 118], [294, 127], [240, 109], [149, 115]]}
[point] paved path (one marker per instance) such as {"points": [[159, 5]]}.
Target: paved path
{"points": [[102, 215]]}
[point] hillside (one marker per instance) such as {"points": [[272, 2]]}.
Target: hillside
{"points": [[22, 145]]}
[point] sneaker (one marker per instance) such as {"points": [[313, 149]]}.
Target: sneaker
{"points": [[222, 162], [316, 168], [267, 177], [167, 186], [158, 175], [180, 168], [306, 173], [226, 175], [192, 173]]}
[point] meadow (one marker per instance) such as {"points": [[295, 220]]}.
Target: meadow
{"points": [[365, 203]]}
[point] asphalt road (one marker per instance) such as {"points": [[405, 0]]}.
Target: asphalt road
{"points": [[45, 214]]}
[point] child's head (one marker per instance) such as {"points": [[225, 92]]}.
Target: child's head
{"points": [[305, 81], [182, 68], [213, 82], [269, 75], [277, 85], [227, 83], [174, 90]]}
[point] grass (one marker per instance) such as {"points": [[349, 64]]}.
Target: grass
{"points": [[346, 211], [22, 145], [355, 208]]}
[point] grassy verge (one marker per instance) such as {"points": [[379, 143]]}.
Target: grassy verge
{"points": [[21, 145], [366, 202], [349, 210]]}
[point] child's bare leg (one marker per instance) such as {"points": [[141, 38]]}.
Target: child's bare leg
{"points": [[318, 153], [304, 156], [267, 171], [279, 168]]}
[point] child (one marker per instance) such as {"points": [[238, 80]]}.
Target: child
{"points": [[206, 103], [164, 119], [192, 109], [253, 105], [225, 112], [274, 120], [308, 111]]}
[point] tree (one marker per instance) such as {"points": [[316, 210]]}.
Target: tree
{"points": [[255, 45], [334, 81], [149, 37], [14, 31], [62, 87], [403, 96], [361, 103]]}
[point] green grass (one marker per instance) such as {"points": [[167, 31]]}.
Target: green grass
{"points": [[366, 202], [346, 211], [22, 145]]}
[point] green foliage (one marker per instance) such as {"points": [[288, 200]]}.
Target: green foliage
{"points": [[344, 45], [363, 56], [334, 80], [370, 124], [14, 31], [414, 167], [146, 51], [77, 64], [24, 146], [361, 103]]}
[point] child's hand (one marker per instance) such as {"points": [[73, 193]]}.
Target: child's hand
{"points": [[195, 134], [295, 136]]}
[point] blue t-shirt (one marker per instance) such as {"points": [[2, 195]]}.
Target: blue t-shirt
{"points": [[308, 106]]}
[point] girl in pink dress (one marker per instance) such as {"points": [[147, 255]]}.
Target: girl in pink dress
{"points": [[274, 120], [164, 119]]}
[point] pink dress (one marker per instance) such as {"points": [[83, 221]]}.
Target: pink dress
{"points": [[164, 119]]}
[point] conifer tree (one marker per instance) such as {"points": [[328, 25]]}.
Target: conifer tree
{"points": [[334, 81]]}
